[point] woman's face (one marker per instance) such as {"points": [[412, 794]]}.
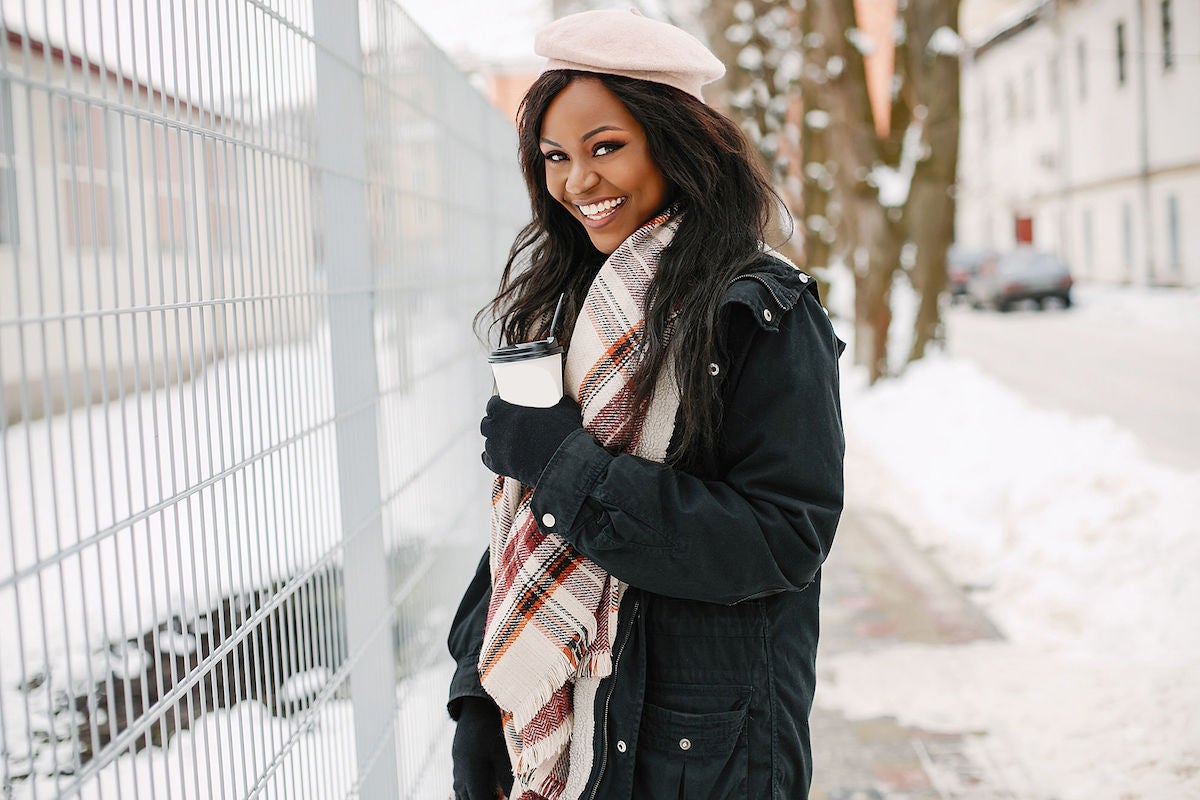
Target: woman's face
{"points": [[598, 163]]}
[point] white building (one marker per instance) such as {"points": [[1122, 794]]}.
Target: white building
{"points": [[1081, 134]]}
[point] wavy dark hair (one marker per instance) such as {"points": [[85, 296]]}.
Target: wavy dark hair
{"points": [[728, 205]]}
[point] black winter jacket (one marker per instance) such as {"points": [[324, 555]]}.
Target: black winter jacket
{"points": [[715, 653]]}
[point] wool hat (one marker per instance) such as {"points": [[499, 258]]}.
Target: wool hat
{"points": [[626, 43]]}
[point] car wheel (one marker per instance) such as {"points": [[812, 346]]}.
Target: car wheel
{"points": [[1039, 303], [1004, 306], [1066, 300]]}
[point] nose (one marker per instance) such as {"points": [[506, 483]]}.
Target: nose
{"points": [[581, 179]]}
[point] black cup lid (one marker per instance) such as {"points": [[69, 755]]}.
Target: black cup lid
{"points": [[525, 351]]}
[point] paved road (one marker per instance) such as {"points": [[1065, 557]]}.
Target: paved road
{"points": [[1128, 354]]}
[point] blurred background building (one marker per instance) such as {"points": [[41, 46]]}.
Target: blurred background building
{"points": [[1079, 130], [1081, 135]]}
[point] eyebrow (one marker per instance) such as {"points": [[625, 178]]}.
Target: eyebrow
{"points": [[586, 136]]}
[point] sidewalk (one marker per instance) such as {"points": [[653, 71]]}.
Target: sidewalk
{"points": [[880, 590]]}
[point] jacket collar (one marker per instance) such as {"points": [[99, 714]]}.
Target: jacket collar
{"points": [[769, 289]]}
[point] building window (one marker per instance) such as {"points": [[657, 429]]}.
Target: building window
{"points": [[984, 117], [1088, 250], [8, 175], [1029, 93], [1052, 84], [1081, 62], [222, 186], [1120, 53], [1127, 238], [84, 176], [1168, 35], [1174, 250], [167, 185]]}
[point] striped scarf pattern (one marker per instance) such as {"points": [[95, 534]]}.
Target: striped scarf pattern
{"points": [[552, 620]]}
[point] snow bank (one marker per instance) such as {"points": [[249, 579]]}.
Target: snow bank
{"points": [[1079, 548]]}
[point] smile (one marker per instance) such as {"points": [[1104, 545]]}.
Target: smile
{"points": [[598, 211]]}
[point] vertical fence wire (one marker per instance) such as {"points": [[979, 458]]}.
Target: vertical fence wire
{"points": [[200, 586]]}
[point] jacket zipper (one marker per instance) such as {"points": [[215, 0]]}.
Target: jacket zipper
{"points": [[608, 699], [782, 306]]}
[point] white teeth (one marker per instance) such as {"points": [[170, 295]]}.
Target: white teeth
{"points": [[601, 209]]}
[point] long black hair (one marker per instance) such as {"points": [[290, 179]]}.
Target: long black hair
{"points": [[728, 206]]}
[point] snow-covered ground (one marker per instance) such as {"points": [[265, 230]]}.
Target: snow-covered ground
{"points": [[1078, 545], [116, 517], [237, 752]]}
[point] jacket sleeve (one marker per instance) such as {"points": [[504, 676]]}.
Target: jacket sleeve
{"points": [[466, 638], [765, 526]]}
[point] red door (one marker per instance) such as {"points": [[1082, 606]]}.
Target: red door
{"points": [[1024, 230]]}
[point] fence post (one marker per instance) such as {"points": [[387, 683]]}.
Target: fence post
{"points": [[341, 137]]}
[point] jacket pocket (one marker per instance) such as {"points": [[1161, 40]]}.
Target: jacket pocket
{"points": [[692, 743]]}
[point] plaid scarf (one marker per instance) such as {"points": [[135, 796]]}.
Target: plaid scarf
{"points": [[553, 613]]}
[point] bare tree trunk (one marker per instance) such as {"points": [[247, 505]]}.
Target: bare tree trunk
{"points": [[933, 74], [759, 91], [858, 150], [837, 191]]}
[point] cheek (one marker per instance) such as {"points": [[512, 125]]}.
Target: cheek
{"points": [[554, 185]]}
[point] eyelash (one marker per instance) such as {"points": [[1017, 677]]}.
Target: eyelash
{"points": [[557, 156]]}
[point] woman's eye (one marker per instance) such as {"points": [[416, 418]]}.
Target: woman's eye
{"points": [[606, 148], [554, 156]]}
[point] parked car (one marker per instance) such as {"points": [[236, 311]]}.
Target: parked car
{"points": [[1025, 273], [961, 263]]}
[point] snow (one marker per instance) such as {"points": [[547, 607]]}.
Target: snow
{"points": [[739, 34], [750, 58], [860, 41], [817, 119], [1076, 544], [789, 70], [234, 749], [813, 40], [117, 460], [982, 26], [894, 182], [945, 42], [220, 456]]}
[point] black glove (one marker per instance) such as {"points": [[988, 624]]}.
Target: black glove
{"points": [[522, 440], [481, 765]]}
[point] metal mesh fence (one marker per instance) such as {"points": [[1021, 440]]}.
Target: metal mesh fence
{"points": [[241, 245]]}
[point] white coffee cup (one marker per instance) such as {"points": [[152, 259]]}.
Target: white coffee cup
{"points": [[530, 373]]}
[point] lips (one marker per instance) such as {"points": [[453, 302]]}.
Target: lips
{"points": [[602, 209]]}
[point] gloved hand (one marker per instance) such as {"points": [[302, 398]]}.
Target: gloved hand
{"points": [[481, 764], [521, 440]]}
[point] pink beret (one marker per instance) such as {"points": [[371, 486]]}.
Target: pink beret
{"points": [[626, 43]]}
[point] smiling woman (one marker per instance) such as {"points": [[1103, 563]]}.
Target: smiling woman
{"points": [[644, 623], [598, 163]]}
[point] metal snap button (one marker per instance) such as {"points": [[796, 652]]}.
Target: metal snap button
{"points": [[621, 747], [767, 314], [714, 369], [685, 744], [803, 278], [548, 520]]}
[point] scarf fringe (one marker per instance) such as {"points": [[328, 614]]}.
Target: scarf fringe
{"points": [[544, 750], [525, 707]]}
